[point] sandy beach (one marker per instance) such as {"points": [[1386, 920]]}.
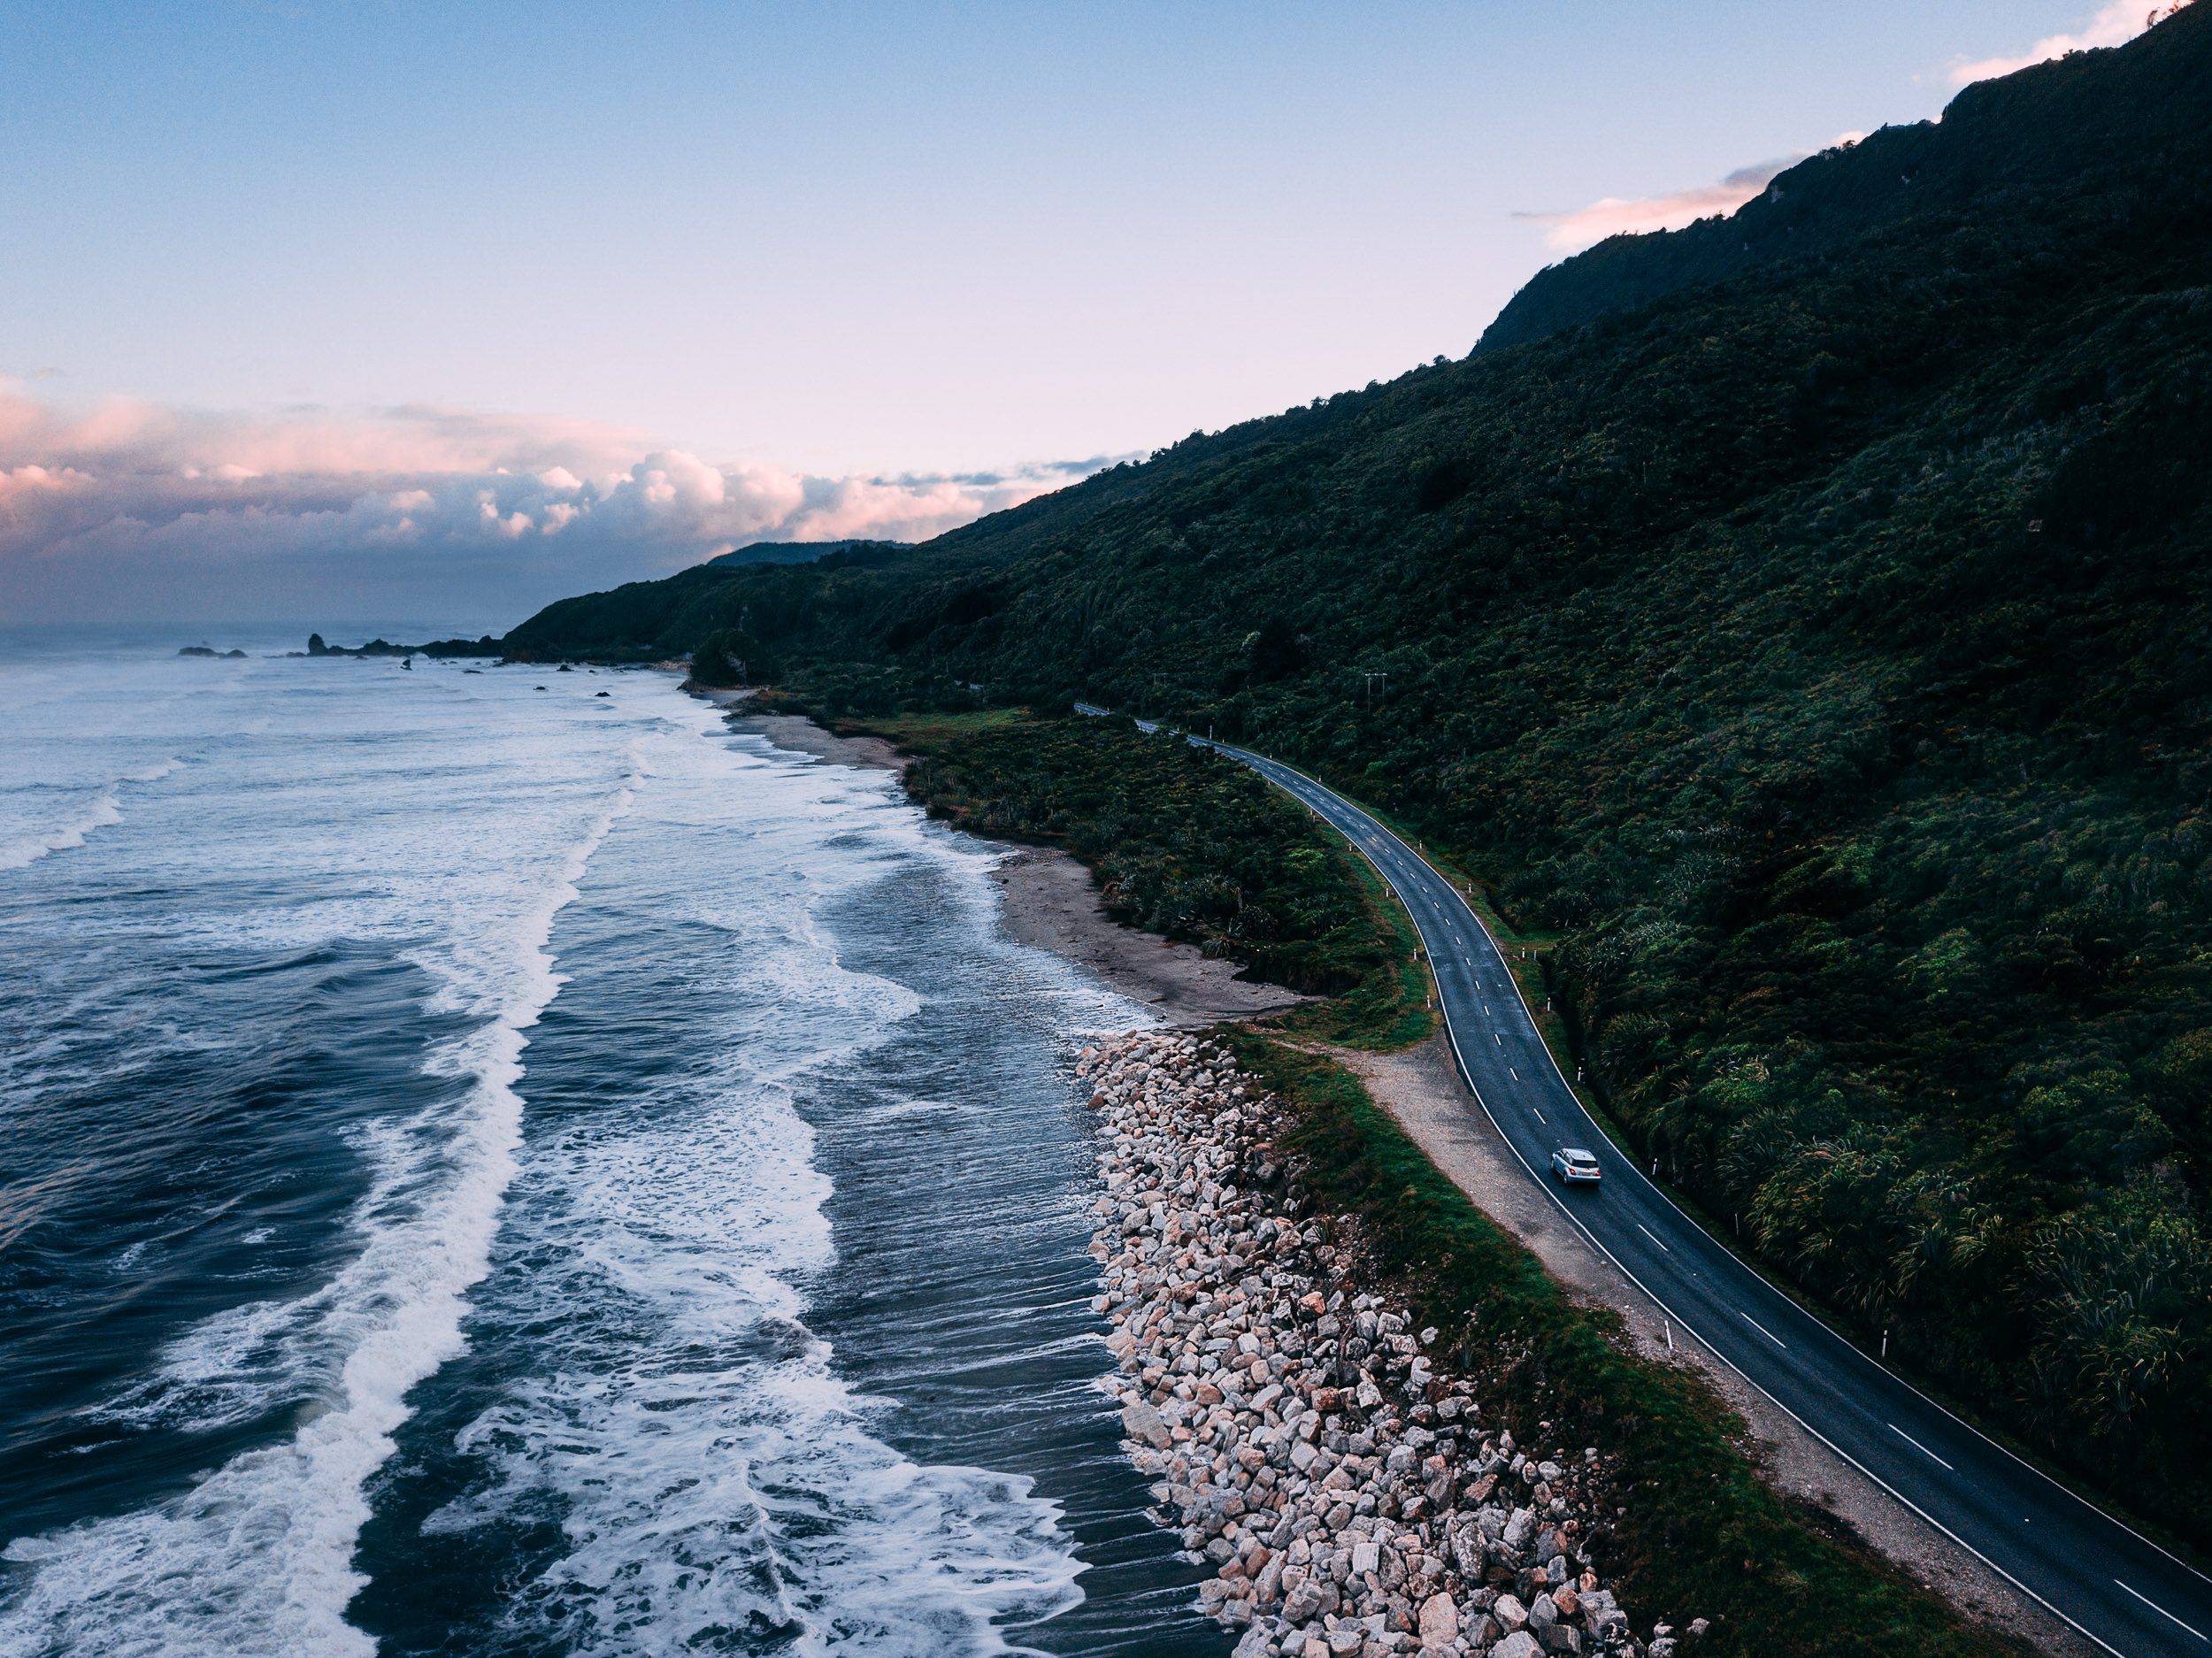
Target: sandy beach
{"points": [[1051, 903]]}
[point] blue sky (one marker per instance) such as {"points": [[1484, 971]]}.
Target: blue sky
{"points": [[833, 241]]}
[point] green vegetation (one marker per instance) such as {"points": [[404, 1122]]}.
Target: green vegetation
{"points": [[1183, 841], [1702, 1536], [1822, 657], [1392, 1006], [2107, 119]]}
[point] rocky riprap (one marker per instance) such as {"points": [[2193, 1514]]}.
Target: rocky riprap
{"points": [[1301, 1435]]}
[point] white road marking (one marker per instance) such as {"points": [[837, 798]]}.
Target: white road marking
{"points": [[1930, 1454], [1500, 1040], [1539, 1116], [2160, 1610], [1768, 1333], [1299, 786], [1646, 1233]]}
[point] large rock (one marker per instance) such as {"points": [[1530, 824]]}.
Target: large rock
{"points": [[1439, 1621], [1511, 1614], [1520, 1644], [1139, 1421], [1304, 1602], [1269, 1584]]}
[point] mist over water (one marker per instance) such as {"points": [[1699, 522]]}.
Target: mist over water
{"points": [[494, 1169]]}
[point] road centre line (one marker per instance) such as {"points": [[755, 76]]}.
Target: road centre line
{"points": [[2160, 1610], [1903, 1501], [1648, 1232], [1763, 1330], [1930, 1454]]}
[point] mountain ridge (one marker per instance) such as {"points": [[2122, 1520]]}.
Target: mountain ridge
{"points": [[2061, 123]]}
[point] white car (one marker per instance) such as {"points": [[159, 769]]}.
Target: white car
{"points": [[1571, 1163]]}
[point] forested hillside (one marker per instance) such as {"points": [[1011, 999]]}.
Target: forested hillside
{"points": [[1824, 652]]}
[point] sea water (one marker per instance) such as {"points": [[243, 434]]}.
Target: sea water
{"points": [[494, 1163]]}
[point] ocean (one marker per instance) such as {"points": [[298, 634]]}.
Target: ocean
{"points": [[495, 1162]]}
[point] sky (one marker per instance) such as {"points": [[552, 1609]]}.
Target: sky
{"points": [[312, 309]]}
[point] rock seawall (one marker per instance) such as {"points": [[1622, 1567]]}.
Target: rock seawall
{"points": [[1301, 1431]]}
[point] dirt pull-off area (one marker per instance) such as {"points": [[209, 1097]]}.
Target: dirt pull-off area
{"points": [[1422, 1089], [1051, 904], [796, 732]]}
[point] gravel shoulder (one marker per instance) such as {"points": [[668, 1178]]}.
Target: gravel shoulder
{"points": [[1421, 1090]]}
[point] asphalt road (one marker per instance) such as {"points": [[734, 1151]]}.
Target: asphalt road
{"points": [[2126, 1594]]}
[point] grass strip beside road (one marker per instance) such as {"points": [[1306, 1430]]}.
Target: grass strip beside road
{"points": [[1703, 1536]]}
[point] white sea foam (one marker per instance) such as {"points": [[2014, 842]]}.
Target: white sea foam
{"points": [[258, 1556], [58, 820], [705, 1460], [710, 1471]]}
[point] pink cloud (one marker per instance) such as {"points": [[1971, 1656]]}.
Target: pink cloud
{"points": [[1616, 216], [2119, 22], [130, 509]]}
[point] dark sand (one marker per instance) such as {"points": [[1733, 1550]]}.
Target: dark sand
{"points": [[1051, 903]]}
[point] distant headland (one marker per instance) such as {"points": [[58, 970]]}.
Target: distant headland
{"points": [[486, 646]]}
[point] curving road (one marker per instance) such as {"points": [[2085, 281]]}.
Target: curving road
{"points": [[2126, 1594]]}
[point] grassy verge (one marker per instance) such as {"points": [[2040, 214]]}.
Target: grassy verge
{"points": [[1184, 842], [1702, 1536], [925, 733], [1392, 1007]]}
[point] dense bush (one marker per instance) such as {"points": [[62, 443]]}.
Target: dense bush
{"points": [[1826, 654], [1701, 1535], [1184, 842]]}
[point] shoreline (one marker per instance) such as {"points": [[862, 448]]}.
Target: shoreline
{"points": [[1047, 898], [797, 732], [1342, 1485], [1049, 902]]}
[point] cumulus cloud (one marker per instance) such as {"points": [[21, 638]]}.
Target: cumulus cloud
{"points": [[2116, 25], [1615, 216], [134, 511]]}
